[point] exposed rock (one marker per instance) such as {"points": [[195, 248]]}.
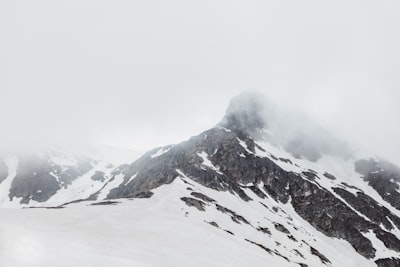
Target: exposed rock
{"points": [[144, 194], [310, 175], [369, 207], [286, 160], [38, 178], [214, 224], [202, 197], [329, 176], [235, 217], [265, 230], [258, 192], [281, 228], [192, 202], [330, 215], [105, 203], [384, 177], [229, 232], [298, 253], [389, 262], [260, 245], [232, 152], [318, 206], [323, 259], [98, 176]]}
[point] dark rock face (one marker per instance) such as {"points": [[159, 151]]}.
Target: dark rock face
{"points": [[384, 177], [281, 228], [264, 230], [105, 203], [246, 114], [235, 217], [330, 215], [370, 208], [329, 176], [192, 202], [202, 197], [99, 176], [323, 259], [388, 262], [38, 178], [3, 171]]}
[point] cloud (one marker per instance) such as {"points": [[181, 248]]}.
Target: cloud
{"points": [[250, 113], [136, 73]]}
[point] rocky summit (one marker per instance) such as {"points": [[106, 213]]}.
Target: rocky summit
{"points": [[300, 198]]}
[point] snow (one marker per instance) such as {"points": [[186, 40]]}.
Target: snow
{"points": [[241, 155], [129, 234], [244, 145], [398, 189], [12, 164], [275, 153], [113, 183], [160, 152], [64, 160], [131, 179], [55, 176], [225, 129], [381, 250], [81, 188], [206, 162], [258, 215], [343, 170]]}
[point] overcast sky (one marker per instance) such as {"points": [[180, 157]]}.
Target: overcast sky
{"points": [[140, 74]]}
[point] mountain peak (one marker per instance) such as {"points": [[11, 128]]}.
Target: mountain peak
{"points": [[246, 113], [252, 114]]}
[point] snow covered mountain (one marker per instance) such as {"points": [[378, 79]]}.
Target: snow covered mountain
{"points": [[52, 177], [260, 188]]}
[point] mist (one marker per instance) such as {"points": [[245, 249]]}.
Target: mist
{"points": [[251, 113], [141, 74]]}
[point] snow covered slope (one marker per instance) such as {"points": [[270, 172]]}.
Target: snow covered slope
{"points": [[164, 231]]}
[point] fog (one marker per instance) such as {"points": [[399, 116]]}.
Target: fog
{"points": [[140, 74], [250, 113]]}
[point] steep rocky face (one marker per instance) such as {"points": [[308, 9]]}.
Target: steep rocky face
{"points": [[384, 177], [39, 177], [99, 176], [388, 262], [247, 114]]}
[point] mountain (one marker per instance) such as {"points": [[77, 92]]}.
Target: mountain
{"points": [[263, 187], [50, 177]]}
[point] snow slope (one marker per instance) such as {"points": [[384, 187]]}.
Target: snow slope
{"points": [[162, 231]]}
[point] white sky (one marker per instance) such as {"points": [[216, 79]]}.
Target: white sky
{"points": [[140, 74]]}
